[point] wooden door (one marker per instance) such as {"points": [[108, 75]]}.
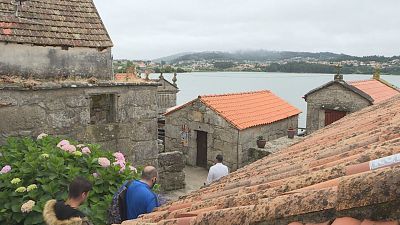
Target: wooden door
{"points": [[201, 149], [333, 115]]}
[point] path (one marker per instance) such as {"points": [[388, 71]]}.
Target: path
{"points": [[194, 178]]}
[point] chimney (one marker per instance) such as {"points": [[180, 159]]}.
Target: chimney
{"points": [[338, 76], [377, 74]]}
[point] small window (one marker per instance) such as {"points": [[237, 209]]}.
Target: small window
{"points": [[102, 109]]}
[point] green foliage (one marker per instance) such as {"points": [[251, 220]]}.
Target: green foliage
{"points": [[51, 169]]}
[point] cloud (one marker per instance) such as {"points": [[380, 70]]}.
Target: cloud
{"points": [[155, 28]]}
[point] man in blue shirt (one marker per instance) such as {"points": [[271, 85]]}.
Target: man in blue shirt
{"points": [[140, 199]]}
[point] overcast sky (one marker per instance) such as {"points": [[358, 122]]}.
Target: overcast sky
{"points": [[150, 29]]}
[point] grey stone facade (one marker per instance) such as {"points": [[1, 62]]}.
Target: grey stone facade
{"points": [[48, 62], [222, 137], [67, 109], [171, 173], [332, 97], [166, 95]]}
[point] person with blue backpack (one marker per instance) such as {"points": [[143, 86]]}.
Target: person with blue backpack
{"points": [[140, 199], [134, 197]]}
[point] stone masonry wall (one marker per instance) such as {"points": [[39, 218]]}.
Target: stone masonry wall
{"points": [[66, 111], [171, 175], [51, 62], [331, 97], [221, 135], [248, 137]]}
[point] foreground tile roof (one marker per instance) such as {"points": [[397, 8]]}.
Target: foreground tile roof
{"points": [[346, 173], [379, 91], [247, 109], [74, 23]]}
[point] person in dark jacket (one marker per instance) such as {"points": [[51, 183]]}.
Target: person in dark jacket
{"points": [[67, 213]]}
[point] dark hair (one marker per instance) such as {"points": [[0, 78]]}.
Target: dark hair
{"points": [[78, 186], [219, 158], [149, 172]]}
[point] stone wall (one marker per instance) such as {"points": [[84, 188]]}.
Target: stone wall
{"points": [[171, 175], [334, 97], [221, 135], [273, 131], [66, 110], [51, 62], [166, 95]]}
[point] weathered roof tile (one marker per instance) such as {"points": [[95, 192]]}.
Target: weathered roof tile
{"points": [[53, 22], [324, 178]]}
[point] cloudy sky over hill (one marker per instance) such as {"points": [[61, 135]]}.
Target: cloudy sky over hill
{"points": [[150, 29]]}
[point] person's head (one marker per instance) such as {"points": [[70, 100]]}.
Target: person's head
{"points": [[150, 175], [79, 189], [219, 158]]}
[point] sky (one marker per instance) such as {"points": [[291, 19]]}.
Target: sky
{"points": [[150, 29]]}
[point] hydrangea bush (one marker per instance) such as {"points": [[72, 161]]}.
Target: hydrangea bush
{"points": [[35, 171]]}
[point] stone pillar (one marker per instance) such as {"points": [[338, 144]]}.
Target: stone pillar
{"points": [[171, 173], [338, 76]]}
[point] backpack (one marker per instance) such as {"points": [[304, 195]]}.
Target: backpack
{"points": [[117, 212]]}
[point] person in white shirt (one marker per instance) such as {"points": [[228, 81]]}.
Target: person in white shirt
{"points": [[217, 171]]}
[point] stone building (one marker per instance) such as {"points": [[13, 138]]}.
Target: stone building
{"points": [[334, 100], [166, 94], [56, 77], [227, 124]]}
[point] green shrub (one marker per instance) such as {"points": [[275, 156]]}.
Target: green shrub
{"points": [[41, 171]]}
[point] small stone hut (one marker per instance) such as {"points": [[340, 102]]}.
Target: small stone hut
{"points": [[227, 124], [56, 77], [338, 98]]}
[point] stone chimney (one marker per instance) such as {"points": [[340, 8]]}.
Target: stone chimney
{"points": [[377, 74], [338, 76]]}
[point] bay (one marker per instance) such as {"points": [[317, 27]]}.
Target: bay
{"points": [[289, 86]]}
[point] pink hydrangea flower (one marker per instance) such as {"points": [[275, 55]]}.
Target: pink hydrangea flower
{"points": [[95, 175], [69, 148], [62, 143], [119, 156], [86, 150], [104, 162], [5, 169], [120, 164]]}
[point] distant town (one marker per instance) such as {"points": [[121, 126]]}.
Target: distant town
{"points": [[262, 61]]}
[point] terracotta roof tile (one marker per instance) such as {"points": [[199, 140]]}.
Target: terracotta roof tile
{"points": [[378, 90], [248, 109], [324, 178], [53, 22]]}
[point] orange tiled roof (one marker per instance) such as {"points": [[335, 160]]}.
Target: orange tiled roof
{"points": [[248, 109], [378, 90], [331, 177]]}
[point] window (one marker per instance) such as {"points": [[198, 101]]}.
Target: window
{"points": [[102, 109]]}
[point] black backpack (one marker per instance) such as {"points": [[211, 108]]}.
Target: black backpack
{"points": [[118, 212]]}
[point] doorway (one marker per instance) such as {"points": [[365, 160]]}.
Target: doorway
{"points": [[333, 116], [201, 140]]}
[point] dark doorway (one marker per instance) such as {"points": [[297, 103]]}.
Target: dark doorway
{"points": [[333, 115], [201, 149]]}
